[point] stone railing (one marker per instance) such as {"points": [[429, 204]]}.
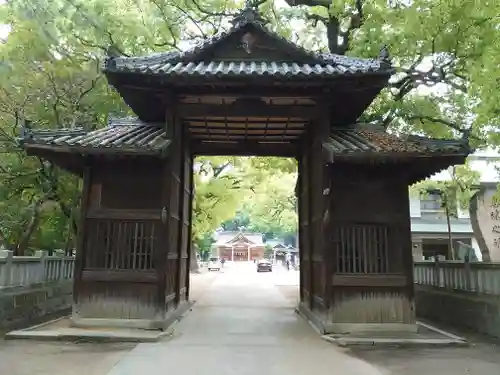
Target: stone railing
{"points": [[28, 270], [478, 277], [460, 294]]}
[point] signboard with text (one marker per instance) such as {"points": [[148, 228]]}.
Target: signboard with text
{"points": [[485, 219]]}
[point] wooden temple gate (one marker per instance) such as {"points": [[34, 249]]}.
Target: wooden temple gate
{"points": [[245, 92]]}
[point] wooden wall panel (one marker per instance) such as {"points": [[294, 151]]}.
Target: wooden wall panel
{"points": [[122, 185], [117, 300], [121, 241], [369, 246]]}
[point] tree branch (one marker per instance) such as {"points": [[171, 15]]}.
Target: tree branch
{"points": [[338, 39]]}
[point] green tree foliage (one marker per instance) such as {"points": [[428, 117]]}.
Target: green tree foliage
{"points": [[218, 184], [273, 206], [446, 84], [456, 192], [268, 204]]}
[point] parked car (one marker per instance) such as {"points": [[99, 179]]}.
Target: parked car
{"points": [[214, 264], [264, 265]]}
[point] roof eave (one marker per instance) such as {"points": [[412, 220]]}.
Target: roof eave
{"points": [[382, 156], [31, 146], [115, 76]]}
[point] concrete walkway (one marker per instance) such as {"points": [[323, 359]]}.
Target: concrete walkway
{"points": [[242, 325]]}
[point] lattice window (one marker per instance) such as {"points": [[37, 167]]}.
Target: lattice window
{"points": [[117, 244], [362, 248]]}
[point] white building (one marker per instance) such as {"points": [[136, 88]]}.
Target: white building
{"points": [[428, 220]]}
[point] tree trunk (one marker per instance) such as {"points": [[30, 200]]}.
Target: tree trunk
{"points": [[29, 230]]}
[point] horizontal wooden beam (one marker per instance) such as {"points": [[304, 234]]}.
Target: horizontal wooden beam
{"points": [[249, 133], [248, 137], [310, 89], [258, 124], [124, 214], [244, 148], [241, 110], [130, 276], [370, 280], [292, 90]]}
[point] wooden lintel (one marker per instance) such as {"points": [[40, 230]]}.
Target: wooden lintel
{"points": [[128, 276], [124, 214], [369, 280], [245, 148], [249, 123], [249, 86], [268, 111]]}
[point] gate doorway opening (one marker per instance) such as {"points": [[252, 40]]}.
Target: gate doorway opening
{"points": [[245, 215], [245, 208], [246, 92]]}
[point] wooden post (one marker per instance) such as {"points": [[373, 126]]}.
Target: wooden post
{"points": [[82, 233], [190, 229], [300, 239], [180, 136]]}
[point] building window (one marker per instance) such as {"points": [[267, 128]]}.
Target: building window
{"points": [[431, 203]]}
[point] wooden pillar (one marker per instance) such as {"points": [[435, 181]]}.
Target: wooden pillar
{"points": [[178, 181], [318, 133], [82, 232], [190, 223], [304, 228], [311, 183]]}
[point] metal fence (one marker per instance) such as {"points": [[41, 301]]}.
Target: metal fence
{"points": [[465, 276], [27, 270]]}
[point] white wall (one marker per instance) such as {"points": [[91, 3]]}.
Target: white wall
{"points": [[415, 206]]}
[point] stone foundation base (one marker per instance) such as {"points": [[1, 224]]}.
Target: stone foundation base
{"points": [[325, 327], [148, 324]]}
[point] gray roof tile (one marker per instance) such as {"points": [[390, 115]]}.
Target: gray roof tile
{"points": [[365, 140], [244, 68], [126, 135], [178, 62], [133, 135]]}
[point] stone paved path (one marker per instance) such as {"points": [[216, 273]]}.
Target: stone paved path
{"points": [[242, 325]]}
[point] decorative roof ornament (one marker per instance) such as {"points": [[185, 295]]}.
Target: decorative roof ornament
{"points": [[249, 14], [384, 55], [112, 52]]}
